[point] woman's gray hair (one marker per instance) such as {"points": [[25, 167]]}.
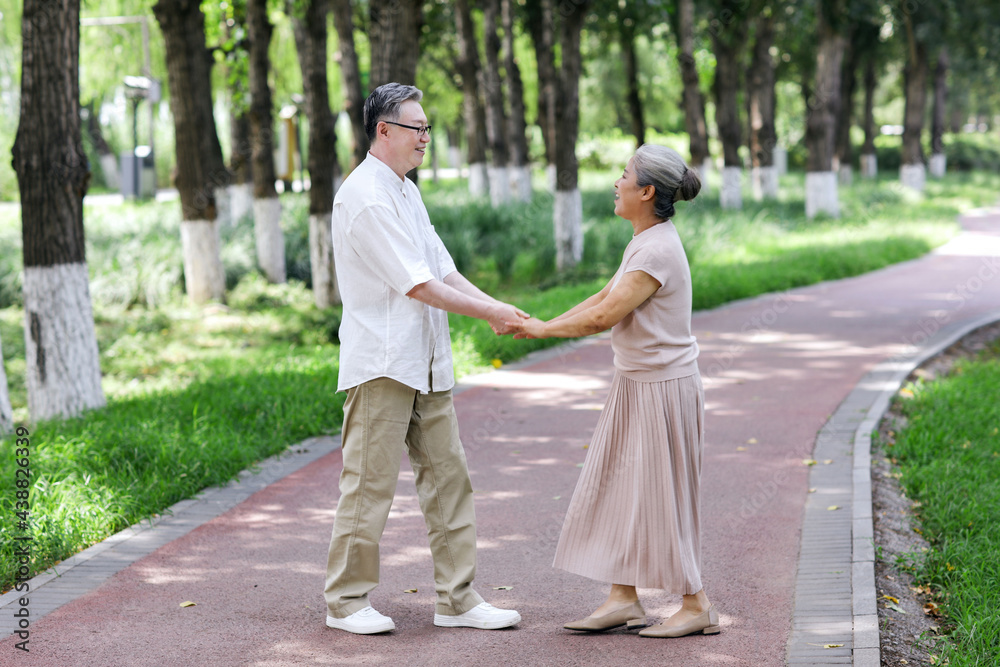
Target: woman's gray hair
{"points": [[384, 103], [665, 170]]}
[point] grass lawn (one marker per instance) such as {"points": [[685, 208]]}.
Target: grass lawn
{"points": [[948, 455], [196, 395]]}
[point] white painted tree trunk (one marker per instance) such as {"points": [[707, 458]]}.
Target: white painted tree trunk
{"points": [[6, 412], [552, 177], [223, 207], [821, 194], [241, 201], [324, 278], [520, 183], [705, 172], [109, 165], [204, 277], [913, 176], [478, 179], [568, 223], [270, 238], [764, 181], [780, 159], [455, 157], [869, 165], [938, 165], [731, 193], [63, 373], [499, 185], [845, 175]]}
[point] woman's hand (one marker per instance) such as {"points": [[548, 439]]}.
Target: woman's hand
{"points": [[531, 327]]}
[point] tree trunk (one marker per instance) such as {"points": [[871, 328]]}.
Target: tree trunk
{"points": [[310, 41], [760, 108], [568, 205], [496, 119], [692, 100], [240, 163], [472, 107], [266, 206], [200, 170], [6, 412], [821, 118], [541, 19], [938, 163], [107, 157], [912, 172], [516, 126], [869, 162], [626, 37], [843, 151], [727, 43], [63, 363], [394, 34], [354, 98]]}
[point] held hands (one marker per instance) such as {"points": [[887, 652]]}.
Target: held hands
{"points": [[530, 327], [502, 315]]}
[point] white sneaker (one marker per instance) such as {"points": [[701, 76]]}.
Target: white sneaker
{"points": [[483, 616], [364, 622]]}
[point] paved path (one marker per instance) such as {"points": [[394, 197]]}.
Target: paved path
{"points": [[788, 377]]}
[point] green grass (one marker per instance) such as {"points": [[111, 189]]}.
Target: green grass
{"points": [[196, 395], [949, 457]]}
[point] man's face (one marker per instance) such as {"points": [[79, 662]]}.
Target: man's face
{"points": [[407, 146]]}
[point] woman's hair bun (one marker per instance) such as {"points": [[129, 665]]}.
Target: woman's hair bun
{"points": [[690, 186]]}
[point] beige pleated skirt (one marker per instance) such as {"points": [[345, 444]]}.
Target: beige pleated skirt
{"points": [[633, 519]]}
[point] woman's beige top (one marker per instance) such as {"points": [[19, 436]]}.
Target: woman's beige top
{"points": [[654, 342]]}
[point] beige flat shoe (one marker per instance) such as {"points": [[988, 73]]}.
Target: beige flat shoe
{"points": [[633, 616], [706, 623]]}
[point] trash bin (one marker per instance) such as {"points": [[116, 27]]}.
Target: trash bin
{"points": [[138, 174]]}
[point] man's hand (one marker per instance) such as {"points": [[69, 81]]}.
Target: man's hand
{"points": [[501, 315]]}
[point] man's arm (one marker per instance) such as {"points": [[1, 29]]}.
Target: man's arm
{"points": [[440, 294]]}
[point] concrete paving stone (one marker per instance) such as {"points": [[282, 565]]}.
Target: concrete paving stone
{"points": [[866, 631], [867, 657]]}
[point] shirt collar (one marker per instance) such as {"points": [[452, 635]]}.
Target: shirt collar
{"points": [[385, 171]]}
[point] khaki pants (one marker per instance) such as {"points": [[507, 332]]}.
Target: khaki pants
{"points": [[380, 417]]}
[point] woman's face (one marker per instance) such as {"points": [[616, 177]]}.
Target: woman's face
{"points": [[629, 201]]}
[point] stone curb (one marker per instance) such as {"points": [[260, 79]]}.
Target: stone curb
{"points": [[78, 575], [835, 600]]}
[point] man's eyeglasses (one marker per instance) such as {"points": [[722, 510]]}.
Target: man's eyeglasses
{"points": [[421, 130]]}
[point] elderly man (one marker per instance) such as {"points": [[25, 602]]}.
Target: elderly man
{"points": [[397, 281]]}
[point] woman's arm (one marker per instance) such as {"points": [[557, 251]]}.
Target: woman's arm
{"points": [[589, 302], [630, 292]]}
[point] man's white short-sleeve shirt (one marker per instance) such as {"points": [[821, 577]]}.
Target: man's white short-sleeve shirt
{"points": [[384, 245]]}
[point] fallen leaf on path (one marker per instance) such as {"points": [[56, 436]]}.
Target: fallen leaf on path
{"points": [[502, 588], [809, 462], [410, 590], [833, 507], [827, 462], [188, 603], [895, 607], [931, 609], [812, 490], [741, 449], [556, 497], [891, 599], [752, 441], [832, 645]]}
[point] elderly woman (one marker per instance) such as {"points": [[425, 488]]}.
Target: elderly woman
{"points": [[634, 518]]}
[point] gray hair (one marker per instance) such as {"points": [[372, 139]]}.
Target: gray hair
{"points": [[384, 103], [665, 170]]}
